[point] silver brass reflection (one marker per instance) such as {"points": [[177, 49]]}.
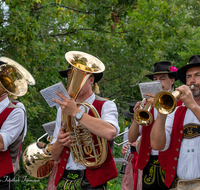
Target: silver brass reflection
{"points": [[143, 115], [29, 78], [119, 144], [85, 149], [37, 160], [165, 102], [12, 81]]}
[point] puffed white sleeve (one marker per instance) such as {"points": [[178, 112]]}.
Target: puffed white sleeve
{"points": [[168, 129], [58, 125], [12, 127], [109, 113]]}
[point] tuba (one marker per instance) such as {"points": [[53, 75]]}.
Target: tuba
{"points": [[89, 150], [165, 102], [143, 116]]}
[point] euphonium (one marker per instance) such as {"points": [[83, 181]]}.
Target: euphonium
{"points": [[84, 148], [143, 116], [165, 102]]}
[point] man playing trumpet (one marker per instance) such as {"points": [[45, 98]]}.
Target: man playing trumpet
{"points": [[183, 131], [153, 175]]}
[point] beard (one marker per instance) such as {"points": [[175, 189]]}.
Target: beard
{"points": [[196, 93]]}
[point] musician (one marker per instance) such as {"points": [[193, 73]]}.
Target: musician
{"points": [[12, 122], [132, 178], [183, 130], [75, 175], [153, 175]]}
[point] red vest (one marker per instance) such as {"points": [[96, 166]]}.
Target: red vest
{"points": [[5, 159], [169, 158], [97, 176], [145, 147]]}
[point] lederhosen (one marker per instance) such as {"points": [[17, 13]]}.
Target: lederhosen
{"points": [[88, 179], [8, 159]]}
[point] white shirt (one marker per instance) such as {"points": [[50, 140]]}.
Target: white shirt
{"points": [[168, 128], [108, 113], [25, 127], [188, 166], [125, 137], [12, 126]]}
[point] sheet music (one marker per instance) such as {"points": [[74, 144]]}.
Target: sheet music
{"points": [[49, 127], [49, 93], [150, 87]]}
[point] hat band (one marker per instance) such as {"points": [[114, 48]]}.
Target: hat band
{"points": [[161, 72], [131, 113]]}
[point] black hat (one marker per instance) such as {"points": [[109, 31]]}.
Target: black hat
{"points": [[194, 61], [65, 72], [97, 76], [130, 113], [2, 63], [163, 67]]}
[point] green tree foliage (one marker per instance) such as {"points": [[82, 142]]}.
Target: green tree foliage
{"points": [[127, 36]]}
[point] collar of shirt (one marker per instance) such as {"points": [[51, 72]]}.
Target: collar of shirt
{"points": [[91, 99], [4, 103]]}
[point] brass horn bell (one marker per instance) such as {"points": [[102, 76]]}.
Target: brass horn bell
{"points": [[165, 102], [12, 81], [37, 159], [143, 116], [29, 78]]}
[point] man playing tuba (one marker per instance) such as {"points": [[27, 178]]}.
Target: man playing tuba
{"points": [[71, 175]]}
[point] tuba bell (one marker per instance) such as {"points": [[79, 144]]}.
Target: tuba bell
{"points": [[12, 81], [85, 148], [143, 116], [165, 102], [29, 78], [37, 158]]}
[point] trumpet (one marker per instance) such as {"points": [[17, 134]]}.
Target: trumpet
{"points": [[143, 116], [165, 102]]}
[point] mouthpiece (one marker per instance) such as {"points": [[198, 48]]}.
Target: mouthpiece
{"points": [[191, 87]]}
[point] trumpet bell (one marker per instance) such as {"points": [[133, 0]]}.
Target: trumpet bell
{"points": [[143, 115], [165, 102], [29, 78], [37, 160], [12, 81]]}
